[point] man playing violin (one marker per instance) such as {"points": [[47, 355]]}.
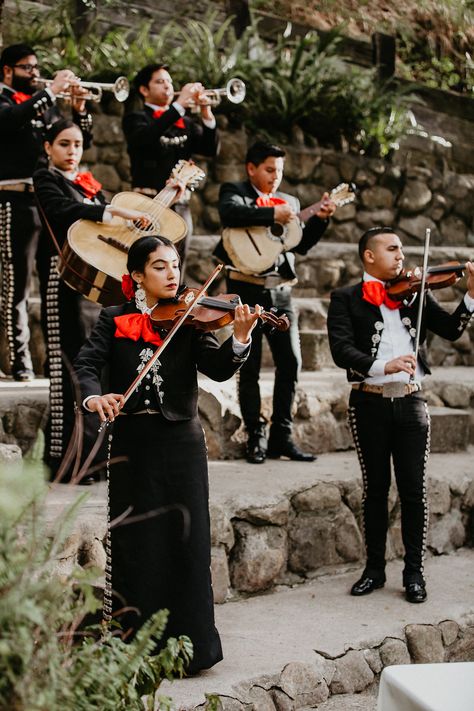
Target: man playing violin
{"points": [[25, 113], [161, 134], [372, 337], [257, 201]]}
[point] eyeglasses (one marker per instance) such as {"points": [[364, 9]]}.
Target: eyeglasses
{"points": [[28, 67]]}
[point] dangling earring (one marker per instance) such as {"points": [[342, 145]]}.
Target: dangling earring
{"points": [[140, 299]]}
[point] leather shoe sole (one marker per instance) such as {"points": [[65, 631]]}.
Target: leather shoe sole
{"points": [[366, 585], [415, 592]]}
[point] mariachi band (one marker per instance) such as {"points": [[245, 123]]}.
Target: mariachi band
{"points": [[129, 255]]}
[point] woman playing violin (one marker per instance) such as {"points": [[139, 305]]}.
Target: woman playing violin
{"points": [[65, 195], [158, 460]]}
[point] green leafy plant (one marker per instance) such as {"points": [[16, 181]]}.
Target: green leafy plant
{"points": [[50, 658]]}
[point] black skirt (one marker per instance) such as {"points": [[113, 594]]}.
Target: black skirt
{"points": [[163, 560]]}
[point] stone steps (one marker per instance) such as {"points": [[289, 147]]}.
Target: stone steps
{"points": [[285, 523], [320, 411], [314, 646]]}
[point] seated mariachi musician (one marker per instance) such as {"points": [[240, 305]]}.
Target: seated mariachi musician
{"points": [[65, 195], [160, 134], [158, 460], [257, 201], [25, 112], [373, 339]]}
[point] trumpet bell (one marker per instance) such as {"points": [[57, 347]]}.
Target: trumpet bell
{"points": [[121, 89], [235, 90]]}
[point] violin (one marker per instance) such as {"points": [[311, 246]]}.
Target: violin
{"points": [[209, 314], [408, 282]]}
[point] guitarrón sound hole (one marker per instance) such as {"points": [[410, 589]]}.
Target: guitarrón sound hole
{"points": [[153, 228], [277, 229]]}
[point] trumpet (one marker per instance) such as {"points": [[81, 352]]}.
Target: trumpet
{"points": [[120, 89], [234, 91]]}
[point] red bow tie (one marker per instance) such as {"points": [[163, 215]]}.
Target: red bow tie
{"points": [[90, 186], [179, 123], [19, 97], [265, 201], [375, 293], [136, 326]]}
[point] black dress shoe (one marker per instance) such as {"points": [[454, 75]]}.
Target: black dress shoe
{"points": [[415, 592], [287, 448], [24, 376], [257, 446], [366, 585]]}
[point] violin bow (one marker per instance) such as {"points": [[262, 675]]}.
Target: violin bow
{"points": [[422, 293], [166, 341]]}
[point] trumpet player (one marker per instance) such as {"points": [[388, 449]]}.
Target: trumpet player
{"points": [[25, 113], [161, 134]]}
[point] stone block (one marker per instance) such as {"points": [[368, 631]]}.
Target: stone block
{"points": [[316, 540], [462, 650], [304, 684], [372, 657], [449, 631], [261, 699], [449, 429], [258, 557], [425, 644], [372, 218], [221, 527], [312, 314], [219, 574], [365, 178], [345, 212], [108, 176], [416, 227], [352, 674], [394, 651], [9, 454], [439, 496], [233, 146], [300, 163], [276, 514], [453, 230], [229, 173], [415, 197], [107, 130], [376, 198], [456, 395], [315, 351], [321, 497], [447, 533]]}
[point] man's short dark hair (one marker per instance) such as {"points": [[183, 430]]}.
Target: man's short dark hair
{"points": [[144, 76], [261, 150], [13, 54], [369, 235]]}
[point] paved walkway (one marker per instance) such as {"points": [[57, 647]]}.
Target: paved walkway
{"points": [[262, 634]]}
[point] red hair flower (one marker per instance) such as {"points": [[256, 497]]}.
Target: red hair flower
{"points": [[127, 287]]}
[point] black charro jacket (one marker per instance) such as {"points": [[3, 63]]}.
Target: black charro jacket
{"points": [[238, 208], [63, 202], [22, 128], [156, 145], [355, 327], [172, 388]]}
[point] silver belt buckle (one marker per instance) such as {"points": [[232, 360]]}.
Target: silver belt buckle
{"points": [[394, 389]]}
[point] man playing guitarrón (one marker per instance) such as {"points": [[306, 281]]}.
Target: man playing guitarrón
{"points": [[247, 204]]}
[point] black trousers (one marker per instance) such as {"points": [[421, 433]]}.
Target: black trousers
{"points": [[396, 429], [67, 319], [19, 232], [285, 348]]}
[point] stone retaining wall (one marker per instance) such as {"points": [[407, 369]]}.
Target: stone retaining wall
{"points": [[295, 537], [414, 190], [302, 685]]}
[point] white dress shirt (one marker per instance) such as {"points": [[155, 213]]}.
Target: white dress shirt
{"points": [[395, 341]]}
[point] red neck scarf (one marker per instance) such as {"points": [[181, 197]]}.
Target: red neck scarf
{"points": [[375, 293], [159, 112], [90, 186], [136, 326], [265, 201], [19, 97]]}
